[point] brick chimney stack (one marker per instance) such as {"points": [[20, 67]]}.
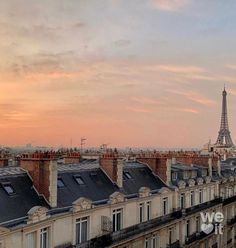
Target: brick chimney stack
{"points": [[43, 170], [72, 158], [112, 165], [160, 164]]}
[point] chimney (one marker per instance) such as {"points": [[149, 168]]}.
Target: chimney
{"points": [[219, 167], [3, 162], [174, 161], [210, 167], [72, 158], [43, 170], [168, 171], [160, 166], [112, 167]]}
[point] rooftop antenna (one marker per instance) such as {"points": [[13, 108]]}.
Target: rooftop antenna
{"points": [[82, 143], [104, 146]]}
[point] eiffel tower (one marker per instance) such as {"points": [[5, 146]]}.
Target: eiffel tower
{"points": [[224, 138]]}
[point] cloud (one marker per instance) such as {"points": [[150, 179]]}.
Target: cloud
{"points": [[195, 97], [139, 110], [146, 100], [170, 5], [231, 66], [188, 110], [180, 69]]}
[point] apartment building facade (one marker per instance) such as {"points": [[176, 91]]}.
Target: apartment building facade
{"points": [[150, 201]]}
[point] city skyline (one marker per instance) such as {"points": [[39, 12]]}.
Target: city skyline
{"points": [[138, 73]]}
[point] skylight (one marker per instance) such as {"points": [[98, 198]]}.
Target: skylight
{"points": [[60, 183], [127, 175], [79, 180], [9, 189]]}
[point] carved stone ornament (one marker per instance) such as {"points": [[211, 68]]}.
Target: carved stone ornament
{"points": [[200, 181], [81, 204], [37, 213], [144, 192], [181, 184], [116, 197], [191, 182], [207, 179]]}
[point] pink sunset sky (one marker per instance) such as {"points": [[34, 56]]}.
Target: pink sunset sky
{"points": [[128, 73]]}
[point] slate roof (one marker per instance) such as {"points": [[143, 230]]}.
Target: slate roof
{"points": [[97, 186], [25, 197], [140, 176]]}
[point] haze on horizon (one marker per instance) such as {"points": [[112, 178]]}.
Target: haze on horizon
{"points": [[128, 73]]}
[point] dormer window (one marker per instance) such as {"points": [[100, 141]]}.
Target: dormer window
{"points": [[8, 188], [60, 183], [186, 174], [79, 180], [174, 176], [127, 175], [194, 174], [204, 173]]}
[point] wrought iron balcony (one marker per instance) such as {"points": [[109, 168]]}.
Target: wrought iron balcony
{"points": [[145, 226], [196, 237], [231, 221], [215, 245], [229, 200], [202, 206], [176, 244], [126, 233]]}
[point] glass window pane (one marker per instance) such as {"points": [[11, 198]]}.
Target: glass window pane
{"points": [[84, 232], [78, 233], [31, 240]]}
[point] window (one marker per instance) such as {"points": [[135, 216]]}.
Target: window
{"points": [[44, 238], [117, 219], [141, 212], [147, 243], [165, 205], [60, 183], [79, 180], [82, 230], [170, 236], [187, 228], [200, 196], [31, 240], [8, 188], [197, 224], [186, 174], [127, 175], [212, 193], [194, 174], [151, 242], [192, 200], [174, 176], [148, 210], [204, 173], [154, 241], [182, 200]]}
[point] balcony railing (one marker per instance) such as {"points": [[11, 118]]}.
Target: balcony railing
{"points": [[126, 233], [197, 236], [202, 206], [215, 245], [176, 244], [231, 221], [229, 200]]}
